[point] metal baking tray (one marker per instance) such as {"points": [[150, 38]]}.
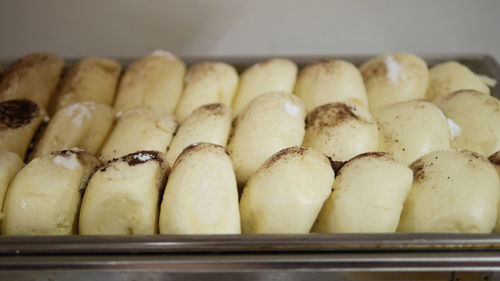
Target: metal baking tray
{"points": [[395, 256]]}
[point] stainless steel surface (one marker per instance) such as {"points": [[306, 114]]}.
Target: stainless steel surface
{"points": [[261, 257], [246, 243]]}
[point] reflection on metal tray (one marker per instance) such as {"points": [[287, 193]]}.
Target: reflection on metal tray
{"points": [[261, 257]]}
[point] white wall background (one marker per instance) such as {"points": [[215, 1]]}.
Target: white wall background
{"points": [[258, 27]]}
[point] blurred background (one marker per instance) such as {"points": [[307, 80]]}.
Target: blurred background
{"points": [[258, 27]]}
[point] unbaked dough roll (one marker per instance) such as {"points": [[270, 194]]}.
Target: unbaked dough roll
{"points": [[83, 125], [155, 80], [495, 160], [90, 79], [207, 83], [19, 121], [210, 123], [10, 164], [141, 128], [412, 129], [451, 76], [271, 122], [341, 130], [394, 78], [328, 81], [453, 191], [368, 195], [123, 196], [33, 77], [286, 194], [201, 196], [476, 118], [268, 76], [44, 197]]}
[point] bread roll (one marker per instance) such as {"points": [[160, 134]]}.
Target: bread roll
{"points": [[328, 81], [271, 122], [341, 130], [210, 123], [495, 160], [123, 196], [90, 79], [394, 78], [44, 197], [83, 125], [368, 195], [207, 83], [141, 128], [19, 120], [411, 129], [453, 191], [286, 194], [32, 77], [155, 80], [268, 76], [476, 119], [201, 196], [451, 76], [10, 164]]}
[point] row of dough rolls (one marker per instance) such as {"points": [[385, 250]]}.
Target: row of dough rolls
{"points": [[296, 190], [330, 112], [121, 196], [160, 80]]}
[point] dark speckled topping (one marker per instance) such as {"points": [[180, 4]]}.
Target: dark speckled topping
{"points": [[374, 154], [495, 158], [199, 146], [141, 157], [336, 165], [331, 115], [136, 158], [284, 153], [17, 113], [418, 168]]}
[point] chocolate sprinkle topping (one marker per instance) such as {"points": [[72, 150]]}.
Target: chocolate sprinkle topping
{"points": [[374, 154], [141, 157], [67, 152], [331, 115], [283, 154], [495, 158], [418, 168], [17, 113]]}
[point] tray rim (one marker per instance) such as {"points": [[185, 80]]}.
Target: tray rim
{"points": [[248, 243]]}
